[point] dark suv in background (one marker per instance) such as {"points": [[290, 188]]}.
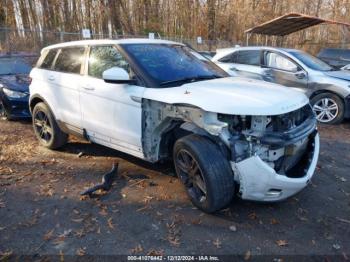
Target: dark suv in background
{"points": [[335, 57]]}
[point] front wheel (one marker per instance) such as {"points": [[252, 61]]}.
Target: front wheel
{"points": [[46, 128], [205, 172], [328, 107]]}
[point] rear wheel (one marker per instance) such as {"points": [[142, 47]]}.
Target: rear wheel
{"points": [[205, 172], [328, 107], [46, 128]]}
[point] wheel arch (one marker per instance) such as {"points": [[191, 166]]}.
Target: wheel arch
{"points": [[34, 100], [317, 92]]}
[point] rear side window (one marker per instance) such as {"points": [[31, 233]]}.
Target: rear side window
{"points": [[248, 57], [70, 60], [48, 60], [103, 58]]}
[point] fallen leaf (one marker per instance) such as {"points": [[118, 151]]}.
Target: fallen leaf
{"points": [[110, 223], [196, 221], [253, 216], [49, 235], [247, 255], [153, 252], [274, 221], [79, 233], [137, 249], [80, 252], [282, 243], [217, 243]]}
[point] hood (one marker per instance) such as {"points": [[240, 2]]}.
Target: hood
{"points": [[232, 95], [341, 74], [16, 82]]}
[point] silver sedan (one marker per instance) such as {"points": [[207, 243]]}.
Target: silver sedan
{"points": [[328, 88]]}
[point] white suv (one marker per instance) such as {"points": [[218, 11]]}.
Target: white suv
{"points": [[157, 99]]}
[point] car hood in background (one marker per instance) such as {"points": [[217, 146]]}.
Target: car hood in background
{"points": [[341, 74], [232, 95], [16, 82]]}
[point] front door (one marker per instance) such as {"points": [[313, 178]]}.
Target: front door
{"points": [[111, 113], [282, 70]]}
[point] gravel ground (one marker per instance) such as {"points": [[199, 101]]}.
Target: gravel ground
{"points": [[148, 212]]}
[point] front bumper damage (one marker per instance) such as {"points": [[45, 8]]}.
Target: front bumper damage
{"points": [[260, 182]]}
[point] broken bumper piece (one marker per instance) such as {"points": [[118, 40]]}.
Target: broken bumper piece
{"points": [[259, 182]]}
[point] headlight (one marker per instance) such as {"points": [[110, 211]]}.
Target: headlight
{"points": [[14, 94]]}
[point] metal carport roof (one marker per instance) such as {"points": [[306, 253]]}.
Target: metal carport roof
{"points": [[289, 23]]}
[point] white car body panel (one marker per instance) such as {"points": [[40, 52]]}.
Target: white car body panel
{"points": [[231, 96], [257, 178], [109, 114]]}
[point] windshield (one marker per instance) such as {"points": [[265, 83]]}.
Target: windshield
{"points": [[311, 61], [170, 65], [10, 66]]}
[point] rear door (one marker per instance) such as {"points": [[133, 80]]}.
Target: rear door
{"points": [[111, 113], [280, 69], [65, 81], [244, 63]]}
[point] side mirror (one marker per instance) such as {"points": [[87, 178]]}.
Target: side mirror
{"points": [[116, 75]]}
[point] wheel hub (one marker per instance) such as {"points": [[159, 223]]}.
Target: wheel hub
{"points": [[326, 110], [191, 175]]}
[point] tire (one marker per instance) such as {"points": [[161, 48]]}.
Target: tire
{"points": [[46, 129], [329, 108], [213, 171], [3, 112]]}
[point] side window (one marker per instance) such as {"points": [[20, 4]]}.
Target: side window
{"points": [[277, 61], [248, 57], [48, 60], [226, 59], [103, 58], [70, 60]]}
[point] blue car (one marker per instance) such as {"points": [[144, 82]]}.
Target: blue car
{"points": [[14, 88]]}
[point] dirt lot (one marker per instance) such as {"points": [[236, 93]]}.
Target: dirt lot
{"points": [[147, 211]]}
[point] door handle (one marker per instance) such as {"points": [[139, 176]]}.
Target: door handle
{"points": [[268, 74], [234, 69], [51, 78], [89, 88]]}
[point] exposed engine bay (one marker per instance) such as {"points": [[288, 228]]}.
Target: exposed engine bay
{"points": [[280, 140], [262, 149]]}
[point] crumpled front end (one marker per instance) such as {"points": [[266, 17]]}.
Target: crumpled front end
{"points": [[273, 157]]}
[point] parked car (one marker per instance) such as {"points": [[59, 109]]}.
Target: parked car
{"points": [[14, 88], [327, 88], [156, 99], [335, 57]]}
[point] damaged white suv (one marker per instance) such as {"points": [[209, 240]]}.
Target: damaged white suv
{"points": [[157, 100]]}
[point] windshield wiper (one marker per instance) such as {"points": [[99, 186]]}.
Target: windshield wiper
{"points": [[189, 79]]}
